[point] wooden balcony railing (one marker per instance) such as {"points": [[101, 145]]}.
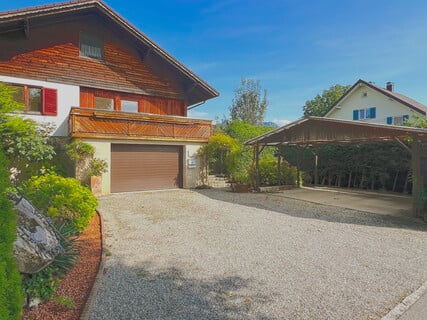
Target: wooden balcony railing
{"points": [[100, 124]]}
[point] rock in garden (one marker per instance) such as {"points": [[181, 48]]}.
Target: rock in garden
{"points": [[37, 243]]}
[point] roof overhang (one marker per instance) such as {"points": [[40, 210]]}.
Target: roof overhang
{"points": [[313, 131], [193, 87]]}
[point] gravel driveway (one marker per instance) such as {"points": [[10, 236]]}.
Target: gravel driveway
{"points": [[213, 254]]}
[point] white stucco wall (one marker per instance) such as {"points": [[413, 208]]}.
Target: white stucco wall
{"points": [[68, 96], [192, 166], [365, 97], [103, 151]]}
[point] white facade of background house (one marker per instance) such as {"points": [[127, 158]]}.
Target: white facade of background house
{"points": [[365, 101]]}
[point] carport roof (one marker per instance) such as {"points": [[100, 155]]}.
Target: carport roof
{"points": [[311, 131]]}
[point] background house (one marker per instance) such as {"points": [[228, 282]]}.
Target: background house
{"points": [[365, 101], [80, 66]]}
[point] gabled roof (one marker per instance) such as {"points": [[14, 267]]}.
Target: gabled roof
{"points": [[196, 88], [312, 131], [415, 105]]}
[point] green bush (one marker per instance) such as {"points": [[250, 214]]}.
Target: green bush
{"points": [[269, 175], [10, 279], [220, 153], [62, 199], [42, 284]]}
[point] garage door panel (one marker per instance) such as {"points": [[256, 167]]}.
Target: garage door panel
{"points": [[145, 167]]}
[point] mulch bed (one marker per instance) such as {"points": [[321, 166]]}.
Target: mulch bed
{"points": [[78, 282]]}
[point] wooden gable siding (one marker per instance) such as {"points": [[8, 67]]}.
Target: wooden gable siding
{"points": [[51, 53], [146, 104], [92, 123]]}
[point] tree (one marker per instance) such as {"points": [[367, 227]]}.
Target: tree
{"points": [[24, 142], [417, 122], [248, 104], [322, 103]]}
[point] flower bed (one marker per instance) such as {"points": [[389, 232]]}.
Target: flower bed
{"points": [[78, 282]]}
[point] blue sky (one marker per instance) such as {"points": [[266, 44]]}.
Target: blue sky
{"points": [[296, 48]]}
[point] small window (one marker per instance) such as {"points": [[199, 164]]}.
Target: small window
{"points": [[91, 46], [129, 106], [35, 99], [104, 103], [362, 114], [398, 121]]}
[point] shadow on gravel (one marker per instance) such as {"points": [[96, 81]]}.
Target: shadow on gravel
{"points": [[309, 210], [168, 294]]}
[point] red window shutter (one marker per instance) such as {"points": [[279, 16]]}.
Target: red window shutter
{"points": [[50, 102]]}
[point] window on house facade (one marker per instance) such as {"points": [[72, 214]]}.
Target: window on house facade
{"points": [[36, 99], [91, 46], [104, 103], [398, 120], [365, 113], [129, 106]]}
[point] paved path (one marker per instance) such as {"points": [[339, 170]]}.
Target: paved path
{"points": [[217, 255], [417, 310], [374, 202]]}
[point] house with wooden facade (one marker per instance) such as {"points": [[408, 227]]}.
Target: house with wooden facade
{"points": [[367, 102], [83, 68]]}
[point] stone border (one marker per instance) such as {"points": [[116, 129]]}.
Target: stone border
{"points": [[97, 282], [402, 307]]}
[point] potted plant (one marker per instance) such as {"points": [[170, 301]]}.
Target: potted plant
{"points": [[240, 181], [96, 168]]}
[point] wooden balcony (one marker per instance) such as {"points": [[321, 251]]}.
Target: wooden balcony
{"points": [[101, 124]]}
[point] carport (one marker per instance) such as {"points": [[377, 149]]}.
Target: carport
{"points": [[315, 131]]}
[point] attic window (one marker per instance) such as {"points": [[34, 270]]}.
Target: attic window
{"points": [[91, 46]]}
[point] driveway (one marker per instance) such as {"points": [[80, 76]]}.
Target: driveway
{"points": [[213, 254]]}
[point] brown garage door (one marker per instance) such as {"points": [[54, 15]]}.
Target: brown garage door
{"points": [[145, 167]]}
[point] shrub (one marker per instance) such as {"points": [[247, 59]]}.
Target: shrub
{"points": [[10, 279], [220, 153], [62, 199], [269, 173], [97, 167], [25, 143], [42, 284], [82, 154]]}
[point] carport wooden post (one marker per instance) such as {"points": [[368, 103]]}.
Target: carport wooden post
{"points": [[417, 183], [316, 162], [298, 163], [257, 177]]}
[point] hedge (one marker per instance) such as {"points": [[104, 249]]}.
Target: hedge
{"points": [[10, 280]]}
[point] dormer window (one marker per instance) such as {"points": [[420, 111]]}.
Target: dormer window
{"points": [[91, 46]]}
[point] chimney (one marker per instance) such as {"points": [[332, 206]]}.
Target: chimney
{"points": [[390, 86]]}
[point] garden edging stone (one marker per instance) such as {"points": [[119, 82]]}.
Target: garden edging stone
{"points": [[98, 279]]}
